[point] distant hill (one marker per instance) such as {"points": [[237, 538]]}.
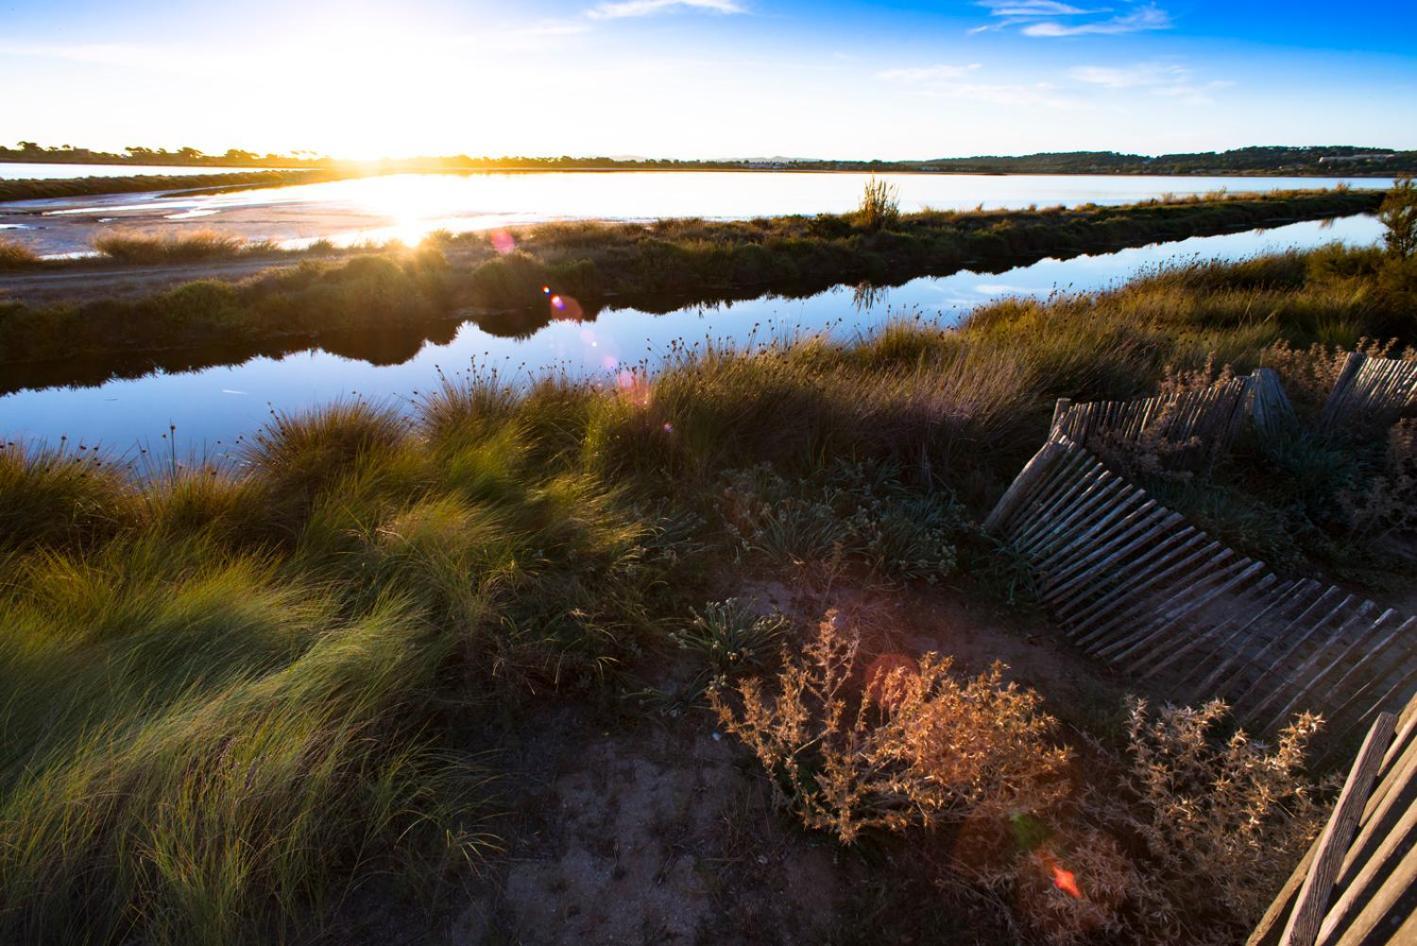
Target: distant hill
{"points": [[1324, 160]]}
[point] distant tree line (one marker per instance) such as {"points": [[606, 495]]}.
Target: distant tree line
{"points": [[1334, 160]]}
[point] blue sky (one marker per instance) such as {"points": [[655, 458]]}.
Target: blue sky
{"points": [[708, 78]]}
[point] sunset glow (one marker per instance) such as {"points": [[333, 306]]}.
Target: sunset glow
{"points": [[705, 79]]}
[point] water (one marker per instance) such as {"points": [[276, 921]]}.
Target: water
{"points": [[54, 172], [211, 406], [409, 206]]}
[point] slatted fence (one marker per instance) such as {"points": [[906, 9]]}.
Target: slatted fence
{"points": [[1134, 584], [1357, 886], [1370, 392], [1192, 427]]}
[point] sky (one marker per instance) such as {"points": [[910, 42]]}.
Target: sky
{"points": [[707, 78]]}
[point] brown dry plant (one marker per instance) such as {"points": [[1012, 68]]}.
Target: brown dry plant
{"points": [[914, 746], [1223, 821]]}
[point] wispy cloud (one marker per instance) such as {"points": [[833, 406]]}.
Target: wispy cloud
{"points": [[1050, 18], [1165, 79], [1016, 8], [920, 74], [621, 9], [945, 81], [1149, 17]]}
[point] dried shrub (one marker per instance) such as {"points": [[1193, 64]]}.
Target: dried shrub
{"points": [[1076, 894], [1309, 374], [916, 749], [1223, 822]]}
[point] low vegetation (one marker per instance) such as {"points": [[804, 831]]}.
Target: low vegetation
{"points": [[243, 699]]}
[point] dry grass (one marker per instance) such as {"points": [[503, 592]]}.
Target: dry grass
{"points": [[15, 255], [140, 247]]}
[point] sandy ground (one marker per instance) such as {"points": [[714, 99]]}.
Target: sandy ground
{"points": [[650, 826]]}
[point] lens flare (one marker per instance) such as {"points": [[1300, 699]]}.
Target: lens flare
{"points": [[502, 241]]}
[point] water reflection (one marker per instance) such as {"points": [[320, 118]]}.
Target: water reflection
{"points": [[219, 393]]}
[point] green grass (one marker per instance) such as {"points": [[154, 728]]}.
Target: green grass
{"points": [[235, 697]]}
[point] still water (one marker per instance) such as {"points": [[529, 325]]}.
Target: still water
{"points": [[211, 406], [409, 206]]}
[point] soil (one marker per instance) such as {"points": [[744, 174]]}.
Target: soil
{"points": [[651, 826]]}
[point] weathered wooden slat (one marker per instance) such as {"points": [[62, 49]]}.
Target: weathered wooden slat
{"points": [[1313, 900], [1299, 677]]}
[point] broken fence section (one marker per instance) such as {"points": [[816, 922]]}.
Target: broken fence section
{"points": [[1136, 585], [1357, 886], [1370, 392], [1193, 426]]}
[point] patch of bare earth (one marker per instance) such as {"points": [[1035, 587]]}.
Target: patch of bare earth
{"points": [[645, 826]]}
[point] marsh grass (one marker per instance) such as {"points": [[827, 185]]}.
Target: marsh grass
{"points": [[186, 247], [880, 205], [15, 255]]}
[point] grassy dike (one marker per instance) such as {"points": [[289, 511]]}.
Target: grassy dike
{"points": [[47, 189], [658, 266], [237, 696]]}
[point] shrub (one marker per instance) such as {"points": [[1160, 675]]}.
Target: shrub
{"points": [[1223, 822], [1399, 216], [913, 746]]}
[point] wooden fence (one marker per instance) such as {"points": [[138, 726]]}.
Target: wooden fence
{"points": [[1370, 392], [1357, 886], [1134, 584], [1191, 427]]}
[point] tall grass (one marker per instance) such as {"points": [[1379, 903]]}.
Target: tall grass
{"points": [[139, 247], [880, 205], [15, 255]]}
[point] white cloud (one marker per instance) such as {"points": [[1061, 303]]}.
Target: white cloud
{"points": [[621, 9], [1026, 8], [1128, 77], [1149, 17], [1055, 18], [1165, 79], [921, 74]]}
